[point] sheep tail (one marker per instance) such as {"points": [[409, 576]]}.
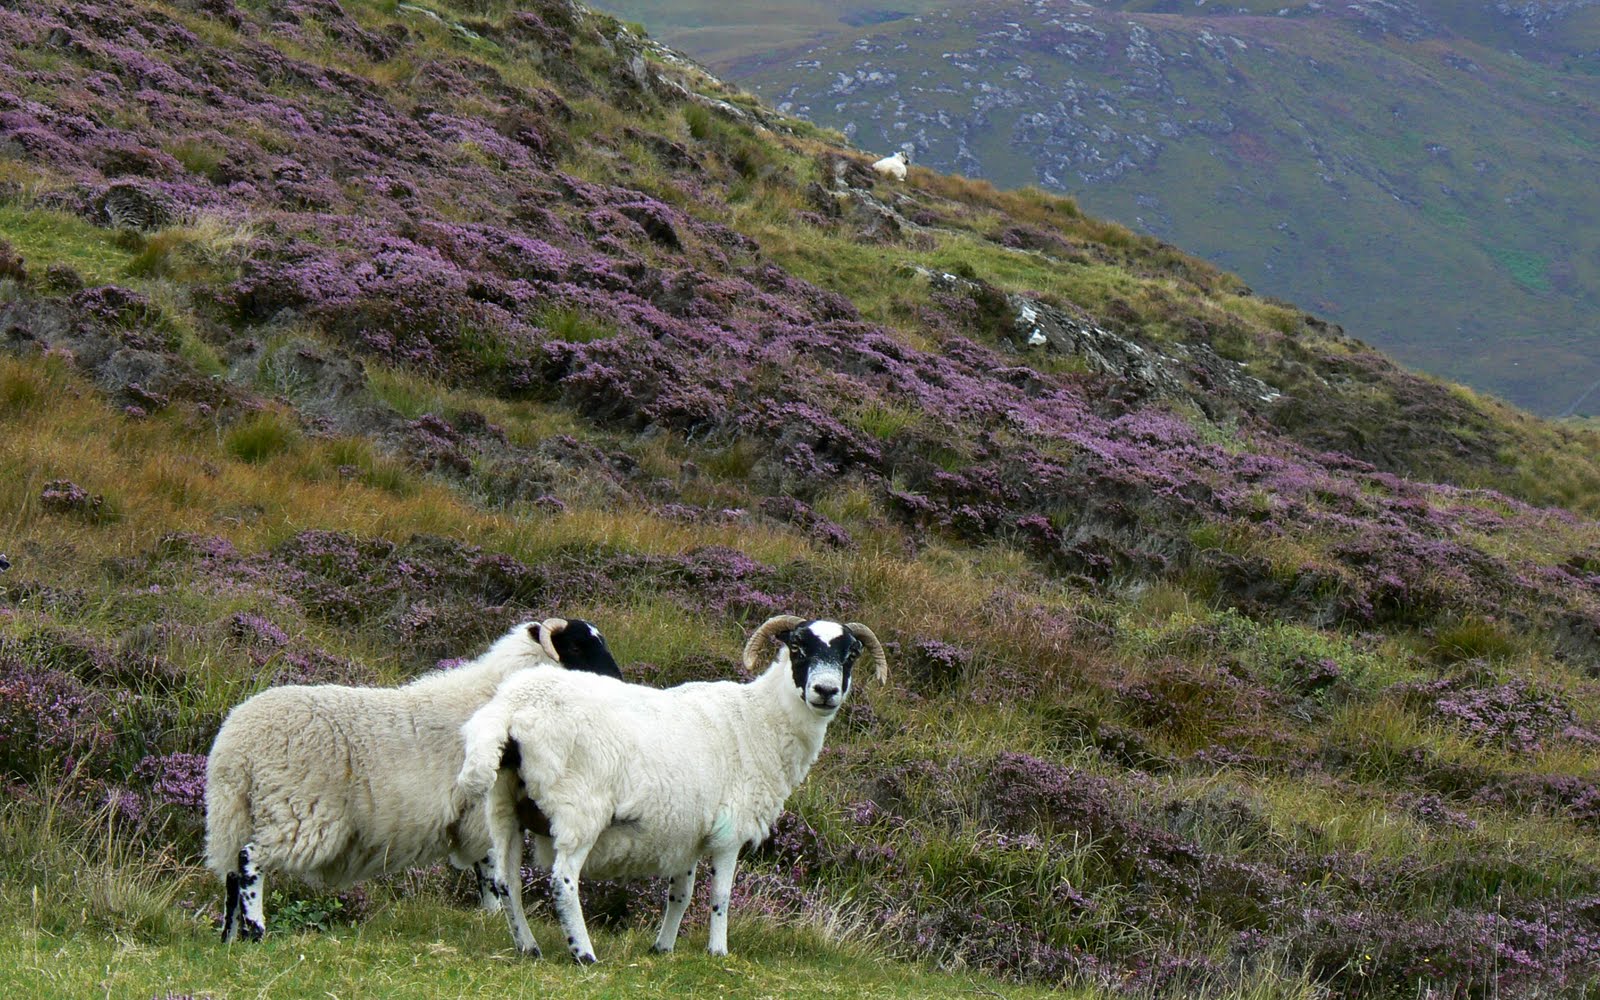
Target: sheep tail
{"points": [[229, 824], [485, 736]]}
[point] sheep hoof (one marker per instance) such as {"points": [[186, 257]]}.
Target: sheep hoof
{"points": [[660, 949], [585, 959]]}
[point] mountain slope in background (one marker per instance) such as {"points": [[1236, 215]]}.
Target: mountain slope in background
{"points": [[336, 337], [1421, 173]]}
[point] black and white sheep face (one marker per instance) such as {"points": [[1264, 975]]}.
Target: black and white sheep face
{"points": [[580, 646], [820, 654]]}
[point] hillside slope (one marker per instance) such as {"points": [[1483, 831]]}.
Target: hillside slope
{"points": [[337, 337], [1420, 173]]}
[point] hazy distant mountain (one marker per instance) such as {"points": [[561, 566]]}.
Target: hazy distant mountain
{"points": [[1422, 172]]}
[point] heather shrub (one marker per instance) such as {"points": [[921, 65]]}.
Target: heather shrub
{"points": [[1515, 715], [176, 785], [958, 901], [63, 496], [50, 722], [76, 652], [12, 266], [1464, 954], [1297, 660], [1567, 795], [935, 667]]}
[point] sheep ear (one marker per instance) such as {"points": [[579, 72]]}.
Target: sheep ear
{"points": [[550, 627]]}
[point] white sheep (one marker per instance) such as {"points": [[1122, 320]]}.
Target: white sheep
{"points": [[637, 781], [892, 167], [337, 784]]}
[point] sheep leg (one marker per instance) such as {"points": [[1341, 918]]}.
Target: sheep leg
{"points": [[230, 907], [678, 894], [564, 882], [242, 915], [487, 897], [722, 865], [505, 855]]}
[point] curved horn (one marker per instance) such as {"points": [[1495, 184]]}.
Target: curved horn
{"points": [[772, 626], [548, 628], [875, 647]]}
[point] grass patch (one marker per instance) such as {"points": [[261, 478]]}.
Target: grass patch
{"points": [[261, 436], [1527, 268], [886, 421], [82, 916], [378, 471], [198, 250], [44, 236], [422, 950], [574, 326]]}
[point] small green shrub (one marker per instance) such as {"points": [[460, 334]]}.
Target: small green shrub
{"points": [[21, 389], [699, 121], [732, 462], [198, 157], [157, 254], [490, 352], [885, 421], [312, 913], [1471, 638], [573, 326], [372, 469], [262, 436]]}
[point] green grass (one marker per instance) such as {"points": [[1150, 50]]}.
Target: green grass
{"points": [[45, 236], [422, 949]]}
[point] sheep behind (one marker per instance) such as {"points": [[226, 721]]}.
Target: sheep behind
{"points": [[337, 784]]}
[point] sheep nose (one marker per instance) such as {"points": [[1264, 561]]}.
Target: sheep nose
{"points": [[825, 691]]}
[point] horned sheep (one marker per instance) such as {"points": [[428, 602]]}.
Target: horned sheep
{"points": [[636, 781], [336, 784]]}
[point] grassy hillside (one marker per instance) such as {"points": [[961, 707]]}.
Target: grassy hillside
{"points": [[337, 337], [1420, 173]]}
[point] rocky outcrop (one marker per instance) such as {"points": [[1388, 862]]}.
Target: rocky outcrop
{"points": [[1191, 372]]}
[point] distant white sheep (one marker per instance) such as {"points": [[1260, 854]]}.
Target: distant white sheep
{"points": [[637, 781], [337, 784], [892, 167]]}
